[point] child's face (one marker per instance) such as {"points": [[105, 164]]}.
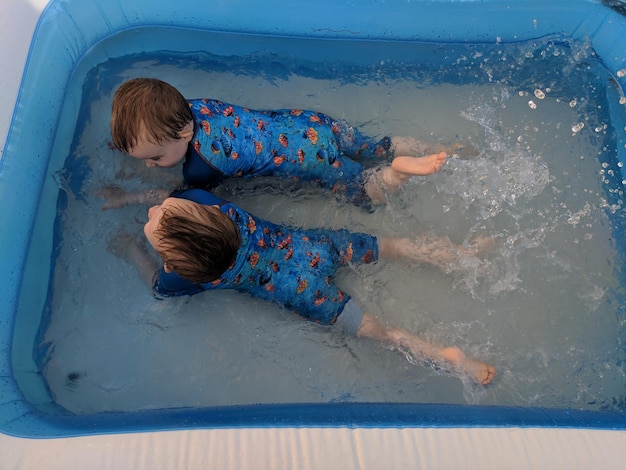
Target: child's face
{"points": [[164, 155]]}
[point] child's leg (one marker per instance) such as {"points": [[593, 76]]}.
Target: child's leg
{"points": [[381, 182], [411, 157], [354, 143], [435, 250], [413, 147], [419, 349]]}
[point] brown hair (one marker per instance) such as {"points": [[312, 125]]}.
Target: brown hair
{"points": [[150, 104], [200, 243]]}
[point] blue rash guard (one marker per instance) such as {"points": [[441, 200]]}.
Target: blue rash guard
{"points": [[232, 141], [294, 268]]}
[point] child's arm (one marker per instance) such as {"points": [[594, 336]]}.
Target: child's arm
{"points": [[419, 349], [132, 250], [115, 197]]}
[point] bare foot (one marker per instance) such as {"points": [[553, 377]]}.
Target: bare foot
{"points": [[379, 183], [417, 349], [419, 166], [478, 371]]}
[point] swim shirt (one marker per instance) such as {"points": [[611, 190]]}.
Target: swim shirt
{"points": [[292, 267], [233, 141]]}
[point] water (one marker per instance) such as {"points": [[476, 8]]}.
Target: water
{"points": [[544, 308]]}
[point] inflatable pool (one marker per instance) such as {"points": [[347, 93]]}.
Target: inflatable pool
{"points": [[68, 44]]}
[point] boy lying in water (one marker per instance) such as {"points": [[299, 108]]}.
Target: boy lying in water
{"points": [[152, 122], [207, 243]]}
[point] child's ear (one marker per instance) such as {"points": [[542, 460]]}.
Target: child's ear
{"points": [[187, 132], [167, 269]]}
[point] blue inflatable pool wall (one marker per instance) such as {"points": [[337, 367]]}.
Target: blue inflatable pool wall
{"points": [[61, 52]]}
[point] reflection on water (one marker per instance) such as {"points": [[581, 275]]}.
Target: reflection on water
{"points": [[544, 307]]}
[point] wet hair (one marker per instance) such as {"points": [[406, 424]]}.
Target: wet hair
{"points": [[147, 105], [199, 244]]}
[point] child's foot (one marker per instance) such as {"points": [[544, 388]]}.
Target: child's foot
{"points": [[387, 180], [419, 166], [476, 370]]}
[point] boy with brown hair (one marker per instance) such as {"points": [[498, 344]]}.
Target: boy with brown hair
{"points": [[207, 243], [153, 122]]}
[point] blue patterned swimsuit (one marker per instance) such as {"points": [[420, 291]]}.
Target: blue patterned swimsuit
{"points": [[292, 267], [230, 140]]}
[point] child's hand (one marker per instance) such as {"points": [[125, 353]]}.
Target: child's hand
{"points": [[123, 245], [132, 249], [114, 197]]}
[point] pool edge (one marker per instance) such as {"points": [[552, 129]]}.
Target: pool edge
{"points": [[389, 426]]}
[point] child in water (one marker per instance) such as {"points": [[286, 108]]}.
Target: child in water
{"points": [[207, 243], [152, 121]]}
